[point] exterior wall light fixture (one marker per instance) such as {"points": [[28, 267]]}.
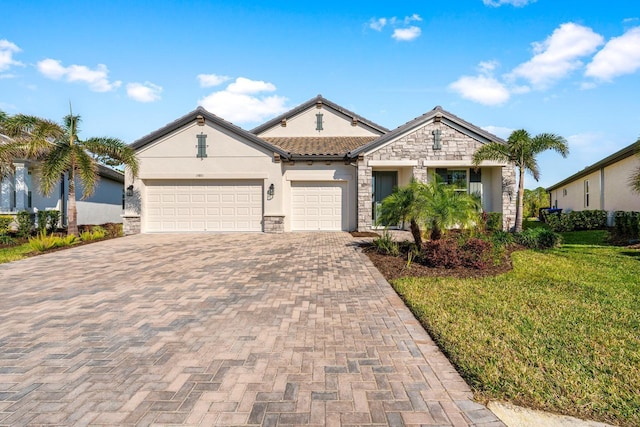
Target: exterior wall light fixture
{"points": [[130, 191]]}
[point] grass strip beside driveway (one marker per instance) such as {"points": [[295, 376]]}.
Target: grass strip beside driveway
{"points": [[561, 332]]}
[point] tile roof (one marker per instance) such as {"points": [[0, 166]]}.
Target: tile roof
{"points": [[319, 145]]}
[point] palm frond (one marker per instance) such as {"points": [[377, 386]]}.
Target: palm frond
{"points": [[57, 162], [495, 151], [549, 141], [87, 170], [114, 149]]}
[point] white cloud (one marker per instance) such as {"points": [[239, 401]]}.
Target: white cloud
{"points": [[516, 3], [402, 31], [406, 34], [558, 55], [482, 89], [210, 80], [242, 102], [377, 24], [499, 131], [97, 79], [621, 55], [246, 86], [144, 92], [7, 49]]}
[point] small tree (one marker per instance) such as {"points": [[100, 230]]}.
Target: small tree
{"points": [[402, 205], [534, 200], [61, 151], [435, 206], [521, 149]]}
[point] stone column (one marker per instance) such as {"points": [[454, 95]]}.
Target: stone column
{"points": [[509, 197], [6, 188], [21, 187], [365, 207]]}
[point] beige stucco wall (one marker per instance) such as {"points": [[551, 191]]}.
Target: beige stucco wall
{"points": [[574, 199], [618, 195], [304, 124], [608, 188], [228, 157], [320, 172]]}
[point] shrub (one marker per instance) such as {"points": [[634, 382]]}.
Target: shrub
{"points": [[113, 229], [7, 240], [41, 226], [626, 225], [5, 223], [493, 221], [386, 245], [53, 220], [576, 220], [96, 234], [501, 238], [452, 253], [25, 222], [43, 242], [539, 238]]}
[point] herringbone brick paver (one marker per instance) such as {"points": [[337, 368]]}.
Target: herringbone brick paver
{"points": [[218, 329]]}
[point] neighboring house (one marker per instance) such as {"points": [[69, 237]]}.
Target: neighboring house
{"points": [[19, 192], [316, 167], [603, 185]]}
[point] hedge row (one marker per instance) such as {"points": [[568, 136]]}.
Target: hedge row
{"points": [[576, 220]]}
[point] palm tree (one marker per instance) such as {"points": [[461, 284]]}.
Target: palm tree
{"points": [[435, 205], [444, 207], [521, 149], [60, 151], [400, 206]]}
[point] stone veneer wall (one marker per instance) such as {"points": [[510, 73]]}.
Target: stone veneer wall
{"points": [[131, 225], [418, 146], [273, 224], [509, 197]]}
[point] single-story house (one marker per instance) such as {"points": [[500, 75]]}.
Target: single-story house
{"points": [[602, 186], [318, 166], [19, 192]]}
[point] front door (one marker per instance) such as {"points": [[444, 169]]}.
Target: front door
{"points": [[383, 184]]}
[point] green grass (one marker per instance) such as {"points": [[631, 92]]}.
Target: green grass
{"points": [[561, 332], [14, 253]]}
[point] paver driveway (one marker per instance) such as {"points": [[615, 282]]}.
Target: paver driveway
{"points": [[218, 329]]}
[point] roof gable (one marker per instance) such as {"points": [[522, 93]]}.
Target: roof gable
{"points": [[437, 114], [192, 117], [320, 102]]}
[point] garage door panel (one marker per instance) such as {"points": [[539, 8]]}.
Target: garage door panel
{"points": [[318, 206], [210, 205]]}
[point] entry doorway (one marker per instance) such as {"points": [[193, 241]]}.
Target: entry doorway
{"points": [[383, 184]]}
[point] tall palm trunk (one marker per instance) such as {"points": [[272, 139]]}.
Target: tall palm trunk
{"points": [[520, 204], [72, 211]]}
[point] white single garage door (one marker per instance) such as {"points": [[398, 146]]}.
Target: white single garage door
{"points": [[203, 205], [318, 206]]}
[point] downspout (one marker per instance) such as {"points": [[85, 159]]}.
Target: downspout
{"points": [[601, 189]]}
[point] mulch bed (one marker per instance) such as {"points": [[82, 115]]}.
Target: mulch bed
{"points": [[396, 267]]}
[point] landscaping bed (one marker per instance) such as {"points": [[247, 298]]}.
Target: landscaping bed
{"points": [[559, 331]]}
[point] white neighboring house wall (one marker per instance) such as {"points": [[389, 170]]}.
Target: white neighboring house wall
{"points": [[20, 192]]}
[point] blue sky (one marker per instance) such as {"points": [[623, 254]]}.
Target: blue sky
{"points": [[129, 67]]}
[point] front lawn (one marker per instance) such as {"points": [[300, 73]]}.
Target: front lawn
{"points": [[14, 253], [560, 332]]}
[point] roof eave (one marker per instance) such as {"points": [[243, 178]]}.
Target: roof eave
{"points": [[622, 154]]}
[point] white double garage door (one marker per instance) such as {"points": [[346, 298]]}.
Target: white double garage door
{"points": [[237, 205]]}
